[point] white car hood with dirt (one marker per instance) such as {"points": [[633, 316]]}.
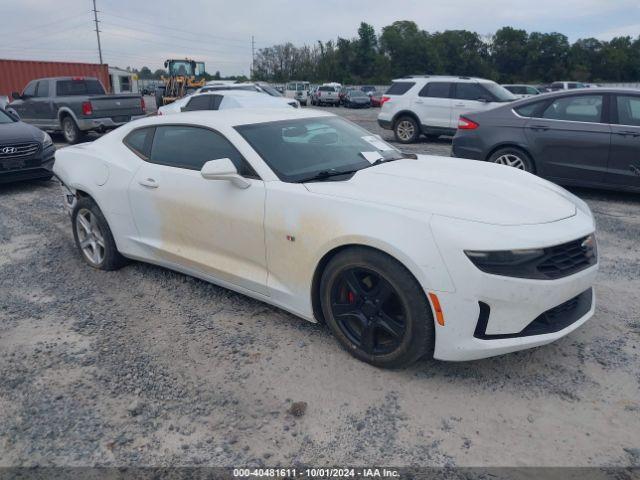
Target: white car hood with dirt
{"points": [[452, 187]]}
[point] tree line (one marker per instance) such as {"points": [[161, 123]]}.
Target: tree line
{"points": [[508, 56]]}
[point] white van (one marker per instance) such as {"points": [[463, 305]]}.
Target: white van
{"points": [[297, 90]]}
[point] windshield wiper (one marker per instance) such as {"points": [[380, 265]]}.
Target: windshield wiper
{"points": [[324, 174]]}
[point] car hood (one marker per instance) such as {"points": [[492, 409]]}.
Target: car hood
{"points": [[19, 132], [452, 187]]}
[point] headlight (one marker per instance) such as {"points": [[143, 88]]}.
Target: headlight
{"points": [[46, 140], [503, 262], [538, 263]]}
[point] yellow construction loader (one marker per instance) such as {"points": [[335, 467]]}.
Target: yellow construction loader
{"points": [[183, 77]]}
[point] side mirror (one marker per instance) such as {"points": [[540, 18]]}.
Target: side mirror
{"points": [[16, 95], [483, 100], [224, 169], [13, 114]]}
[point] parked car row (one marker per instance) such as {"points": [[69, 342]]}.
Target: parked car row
{"points": [[351, 97]]}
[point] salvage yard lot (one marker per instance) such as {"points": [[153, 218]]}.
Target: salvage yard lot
{"points": [[145, 366]]}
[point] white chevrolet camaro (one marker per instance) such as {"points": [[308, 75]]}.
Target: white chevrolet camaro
{"points": [[400, 255]]}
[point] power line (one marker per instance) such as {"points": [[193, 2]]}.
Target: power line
{"points": [[45, 25], [95, 17], [166, 27], [197, 48]]}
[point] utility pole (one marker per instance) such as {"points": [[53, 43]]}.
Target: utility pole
{"points": [[253, 54], [95, 16]]}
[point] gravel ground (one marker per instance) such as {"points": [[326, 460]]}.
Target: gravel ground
{"points": [[145, 366]]}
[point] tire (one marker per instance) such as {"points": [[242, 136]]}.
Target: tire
{"points": [[513, 157], [99, 237], [72, 134], [406, 130], [376, 295]]}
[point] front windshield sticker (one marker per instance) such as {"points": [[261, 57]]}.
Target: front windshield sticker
{"points": [[377, 143], [372, 157]]}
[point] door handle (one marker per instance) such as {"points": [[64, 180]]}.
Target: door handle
{"points": [[460, 105], [148, 182], [419, 101], [539, 127]]}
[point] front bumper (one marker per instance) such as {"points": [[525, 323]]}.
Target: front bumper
{"points": [[35, 168], [491, 315], [86, 124]]}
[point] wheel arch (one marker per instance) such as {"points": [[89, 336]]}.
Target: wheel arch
{"points": [[326, 258], [515, 146], [406, 113]]}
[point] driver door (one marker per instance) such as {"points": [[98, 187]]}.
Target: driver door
{"points": [[468, 97], [210, 226]]}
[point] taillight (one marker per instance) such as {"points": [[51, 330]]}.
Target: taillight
{"points": [[466, 124], [87, 109], [319, 93], [142, 105], [384, 99]]}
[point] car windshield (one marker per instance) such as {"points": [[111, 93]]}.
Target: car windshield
{"points": [[301, 149], [357, 93], [4, 118], [501, 94], [270, 90]]}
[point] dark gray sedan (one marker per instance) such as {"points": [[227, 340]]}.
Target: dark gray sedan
{"points": [[582, 137]]}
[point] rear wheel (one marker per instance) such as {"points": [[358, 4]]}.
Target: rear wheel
{"points": [[376, 308], [513, 157], [72, 134], [93, 236], [406, 130]]}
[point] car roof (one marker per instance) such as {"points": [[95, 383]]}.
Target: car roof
{"points": [[234, 117], [452, 78], [231, 93]]}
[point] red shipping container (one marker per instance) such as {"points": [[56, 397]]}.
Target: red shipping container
{"points": [[15, 74]]}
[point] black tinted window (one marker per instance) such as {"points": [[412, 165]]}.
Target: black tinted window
{"points": [[399, 88], [192, 147], [470, 91], [30, 89], [327, 89], [140, 141], [200, 102], [579, 108], [527, 110], [43, 88], [78, 87], [436, 90], [628, 110]]}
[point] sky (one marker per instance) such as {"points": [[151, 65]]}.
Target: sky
{"points": [[137, 33]]}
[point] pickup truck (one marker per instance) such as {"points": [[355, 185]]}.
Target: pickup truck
{"points": [[327, 94], [74, 106]]}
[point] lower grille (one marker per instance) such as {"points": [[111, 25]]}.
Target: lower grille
{"points": [[18, 150], [551, 321]]}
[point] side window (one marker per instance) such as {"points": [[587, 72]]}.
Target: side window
{"points": [[191, 147], [139, 141], [43, 88], [532, 91], [577, 108], [399, 88], [528, 110], [215, 101], [469, 91], [30, 89], [436, 90], [628, 110], [199, 102]]}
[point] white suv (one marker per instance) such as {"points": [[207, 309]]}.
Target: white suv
{"points": [[431, 105]]}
